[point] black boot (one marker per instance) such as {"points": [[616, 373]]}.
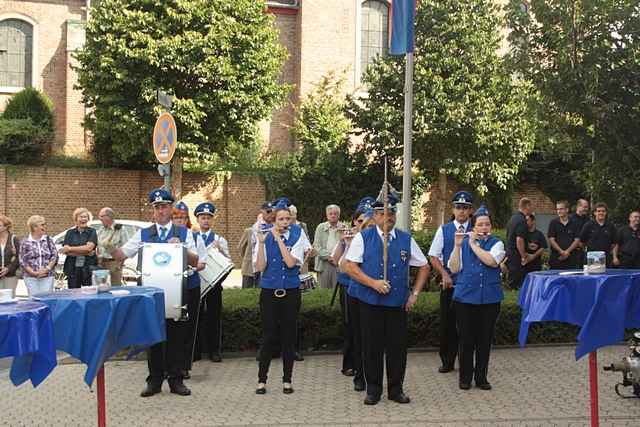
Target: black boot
{"points": [[154, 386], [177, 386]]}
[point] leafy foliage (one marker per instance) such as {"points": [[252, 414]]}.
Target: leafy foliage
{"points": [[582, 56], [26, 128], [471, 119], [221, 61], [323, 170]]}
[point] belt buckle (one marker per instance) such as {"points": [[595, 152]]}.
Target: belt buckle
{"points": [[280, 293]]}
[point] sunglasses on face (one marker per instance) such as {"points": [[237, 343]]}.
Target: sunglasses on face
{"points": [[462, 207]]}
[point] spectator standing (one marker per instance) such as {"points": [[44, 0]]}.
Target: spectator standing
{"points": [[79, 246], [598, 234], [517, 256], [580, 218], [626, 254], [564, 239], [536, 245], [9, 250], [38, 257], [325, 239], [111, 236]]}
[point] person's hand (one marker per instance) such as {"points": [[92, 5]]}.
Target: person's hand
{"points": [[331, 260], [503, 268], [312, 252], [447, 281], [563, 255], [459, 237], [381, 286], [65, 249], [275, 233], [411, 301], [216, 244], [616, 261], [3, 271], [473, 236], [262, 237], [525, 260]]}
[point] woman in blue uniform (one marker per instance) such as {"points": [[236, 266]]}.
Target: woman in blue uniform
{"points": [[476, 259], [278, 256]]}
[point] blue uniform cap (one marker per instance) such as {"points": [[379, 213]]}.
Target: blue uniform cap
{"points": [[378, 205], [481, 211], [365, 203], [182, 206], [282, 201], [160, 196], [267, 205], [206, 208], [462, 198]]}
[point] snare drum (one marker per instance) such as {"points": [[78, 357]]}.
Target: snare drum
{"points": [[217, 268], [164, 265], [307, 282]]}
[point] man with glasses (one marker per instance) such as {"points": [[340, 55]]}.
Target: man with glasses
{"points": [[564, 239], [439, 252]]}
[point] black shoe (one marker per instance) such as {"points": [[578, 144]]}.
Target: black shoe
{"points": [[400, 398], [464, 386], [261, 390], [371, 399], [153, 387], [186, 375], [444, 369], [178, 387], [287, 390], [358, 385], [298, 357], [348, 372], [215, 357], [484, 386]]}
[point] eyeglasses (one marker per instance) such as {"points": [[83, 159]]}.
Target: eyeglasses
{"points": [[462, 207], [359, 221], [268, 211]]}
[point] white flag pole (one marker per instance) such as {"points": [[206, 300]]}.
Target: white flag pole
{"points": [[407, 143]]}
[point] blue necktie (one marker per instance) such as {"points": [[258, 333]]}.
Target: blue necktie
{"points": [[163, 233]]}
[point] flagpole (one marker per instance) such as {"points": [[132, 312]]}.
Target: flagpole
{"points": [[407, 142]]}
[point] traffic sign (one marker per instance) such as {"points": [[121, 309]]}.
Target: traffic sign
{"points": [[165, 138]]}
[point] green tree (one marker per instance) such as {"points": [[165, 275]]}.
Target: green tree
{"points": [[471, 119], [323, 169], [221, 61], [582, 56]]}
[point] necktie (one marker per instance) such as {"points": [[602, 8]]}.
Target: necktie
{"points": [[163, 233]]}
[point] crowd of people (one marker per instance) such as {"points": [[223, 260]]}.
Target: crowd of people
{"points": [[366, 262]]}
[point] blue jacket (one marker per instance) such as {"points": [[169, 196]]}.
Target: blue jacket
{"points": [[477, 283], [277, 275], [397, 269]]}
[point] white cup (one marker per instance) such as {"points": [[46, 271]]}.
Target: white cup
{"points": [[6, 295]]}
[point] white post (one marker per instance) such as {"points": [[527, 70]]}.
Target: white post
{"points": [[405, 220]]}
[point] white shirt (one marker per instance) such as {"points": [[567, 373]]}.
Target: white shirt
{"points": [[135, 242], [356, 249], [297, 251], [437, 244], [223, 244], [496, 251]]}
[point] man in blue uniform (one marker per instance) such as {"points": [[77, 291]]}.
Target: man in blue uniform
{"points": [[440, 251], [166, 358], [384, 304], [210, 323]]}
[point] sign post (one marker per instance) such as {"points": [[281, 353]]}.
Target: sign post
{"points": [[165, 142]]}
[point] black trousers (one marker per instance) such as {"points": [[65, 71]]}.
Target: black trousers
{"points": [[384, 333], [168, 357], [448, 329], [566, 264], [279, 320], [355, 330], [347, 344], [210, 328], [476, 326], [78, 277], [516, 271], [193, 305]]}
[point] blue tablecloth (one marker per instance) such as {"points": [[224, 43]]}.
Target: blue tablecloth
{"points": [[92, 328], [602, 304], [26, 333]]}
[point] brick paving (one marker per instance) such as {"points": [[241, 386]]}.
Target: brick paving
{"points": [[542, 386]]}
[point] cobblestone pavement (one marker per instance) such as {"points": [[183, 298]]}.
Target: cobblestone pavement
{"points": [[542, 386]]}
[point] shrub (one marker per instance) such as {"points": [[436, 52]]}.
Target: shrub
{"points": [[30, 103], [322, 323]]}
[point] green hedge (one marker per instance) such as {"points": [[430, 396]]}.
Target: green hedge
{"points": [[323, 328]]}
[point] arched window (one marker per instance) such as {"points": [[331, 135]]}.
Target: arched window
{"points": [[374, 31], [16, 50]]}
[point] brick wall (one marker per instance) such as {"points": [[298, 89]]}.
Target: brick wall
{"points": [[52, 61], [56, 192]]}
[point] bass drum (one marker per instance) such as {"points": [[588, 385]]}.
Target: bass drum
{"points": [[164, 266], [217, 268]]}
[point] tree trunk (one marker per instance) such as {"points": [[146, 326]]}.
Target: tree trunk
{"points": [[441, 202]]}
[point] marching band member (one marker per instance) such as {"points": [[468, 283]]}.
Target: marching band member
{"points": [[210, 324], [384, 304], [476, 260], [278, 256], [168, 356], [440, 251], [352, 348], [180, 217]]}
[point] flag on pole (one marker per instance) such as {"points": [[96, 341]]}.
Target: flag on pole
{"points": [[402, 26]]}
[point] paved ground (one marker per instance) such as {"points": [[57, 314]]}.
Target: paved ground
{"points": [[532, 387]]}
